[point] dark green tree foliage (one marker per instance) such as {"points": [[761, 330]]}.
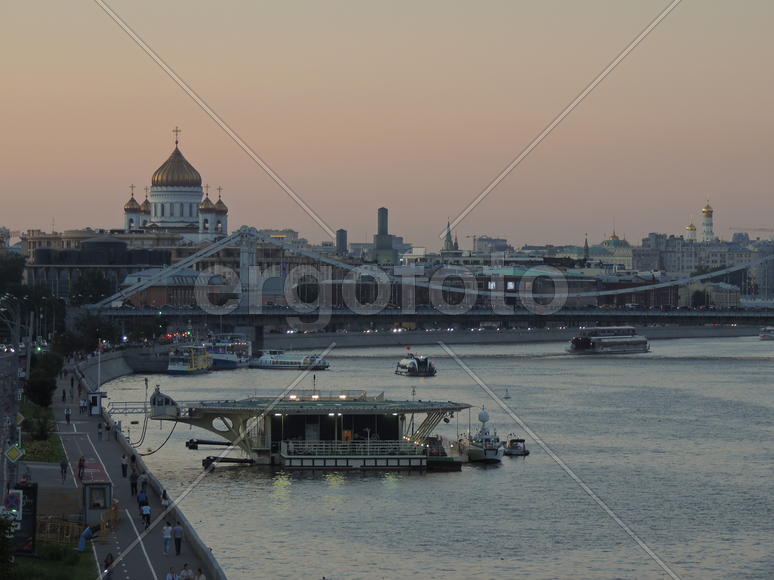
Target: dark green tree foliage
{"points": [[11, 270], [90, 287], [6, 550], [92, 328]]}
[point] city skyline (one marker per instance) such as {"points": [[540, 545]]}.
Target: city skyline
{"points": [[419, 127]]}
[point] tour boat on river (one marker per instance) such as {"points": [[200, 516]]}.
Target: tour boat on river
{"points": [[189, 360], [279, 360], [608, 340], [415, 366], [230, 351]]}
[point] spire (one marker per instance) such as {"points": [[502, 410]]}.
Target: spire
{"points": [[586, 248], [177, 132], [448, 244], [456, 243]]}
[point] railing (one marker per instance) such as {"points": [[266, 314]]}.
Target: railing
{"points": [[58, 530], [349, 448]]}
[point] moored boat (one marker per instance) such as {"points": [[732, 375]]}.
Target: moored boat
{"points": [[516, 447], [189, 360], [767, 333], [230, 351], [415, 366], [608, 340], [485, 446], [279, 360]]}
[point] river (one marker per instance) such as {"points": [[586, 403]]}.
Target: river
{"points": [[678, 444]]}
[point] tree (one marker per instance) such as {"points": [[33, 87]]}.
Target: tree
{"points": [[11, 272], [90, 287], [6, 549], [92, 328], [41, 387]]}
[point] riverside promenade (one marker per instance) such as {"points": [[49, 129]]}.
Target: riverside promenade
{"points": [[138, 555]]}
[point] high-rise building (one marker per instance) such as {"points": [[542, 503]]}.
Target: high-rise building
{"points": [[341, 242], [383, 252]]}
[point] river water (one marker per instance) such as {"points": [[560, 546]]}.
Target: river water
{"points": [[678, 443]]}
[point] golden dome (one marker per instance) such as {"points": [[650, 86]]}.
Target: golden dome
{"points": [[131, 205], [614, 237], [176, 172], [707, 209], [206, 204], [690, 227], [145, 206], [221, 207]]}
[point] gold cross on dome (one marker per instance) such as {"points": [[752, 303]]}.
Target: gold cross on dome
{"points": [[220, 189], [132, 188], [207, 189], [177, 132]]}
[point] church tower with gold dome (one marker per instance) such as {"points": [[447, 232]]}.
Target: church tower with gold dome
{"points": [[177, 202], [707, 234]]}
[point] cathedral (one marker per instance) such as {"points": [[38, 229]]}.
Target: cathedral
{"points": [[177, 203]]}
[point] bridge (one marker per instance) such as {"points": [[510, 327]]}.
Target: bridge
{"points": [[253, 318]]}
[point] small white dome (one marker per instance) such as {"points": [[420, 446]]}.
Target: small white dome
{"points": [[483, 416]]}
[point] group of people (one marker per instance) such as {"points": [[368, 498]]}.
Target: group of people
{"points": [[169, 533]]}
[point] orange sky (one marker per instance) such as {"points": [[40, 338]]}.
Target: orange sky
{"points": [[416, 106]]}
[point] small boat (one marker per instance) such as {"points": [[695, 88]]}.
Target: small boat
{"points": [[415, 366], [767, 333], [189, 360], [485, 446], [507, 395], [608, 340], [278, 360], [516, 447]]}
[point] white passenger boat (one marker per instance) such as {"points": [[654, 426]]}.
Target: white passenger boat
{"points": [[189, 360], [230, 351], [279, 360], [608, 340], [485, 446], [415, 366], [767, 333]]}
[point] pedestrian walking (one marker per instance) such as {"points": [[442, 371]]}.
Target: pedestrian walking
{"points": [[63, 465], [124, 465], [72, 383], [146, 515], [177, 534], [133, 462], [64, 395], [68, 412], [166, 534], [107, 566], [143, 481], [186, 573], [99, 431], [165, 501], [171, 575], [81, 467], [200, 575], [133, 483]]}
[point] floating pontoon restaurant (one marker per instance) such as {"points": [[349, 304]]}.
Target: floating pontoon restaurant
{"points": [[316, 430]]}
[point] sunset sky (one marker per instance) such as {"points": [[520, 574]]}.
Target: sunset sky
{"points": [[411, 105]]}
